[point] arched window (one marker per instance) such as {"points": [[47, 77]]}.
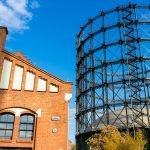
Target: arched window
{"points": [[26, 128], [6, 125]]}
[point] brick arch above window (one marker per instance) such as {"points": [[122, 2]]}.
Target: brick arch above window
{"points": [[27, 113], [18, 110], [21, 110], [7, 112]]}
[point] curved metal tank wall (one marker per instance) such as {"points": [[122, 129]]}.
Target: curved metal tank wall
{"points": [[113, 71]]}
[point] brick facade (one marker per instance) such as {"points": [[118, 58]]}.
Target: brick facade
{"points": [[43, 105]]}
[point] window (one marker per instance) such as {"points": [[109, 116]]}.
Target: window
{"points": [[41, 85], [30, 77], [17, 82], [6, 125], [5, 76], [26, 129], [54, 88]]}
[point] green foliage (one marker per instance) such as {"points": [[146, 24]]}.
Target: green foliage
{"points": [[110, 138]]}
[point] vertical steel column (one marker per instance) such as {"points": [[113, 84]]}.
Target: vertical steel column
{"points": [[81, 80], [105, 70], [84, 96], [77, 83], [92, 77], [112, 79]]}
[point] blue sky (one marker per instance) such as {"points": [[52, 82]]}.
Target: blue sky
{"points": [[45, 31]]}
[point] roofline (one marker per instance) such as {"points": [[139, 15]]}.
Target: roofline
{"points": [[31, 65], [69, 83]]}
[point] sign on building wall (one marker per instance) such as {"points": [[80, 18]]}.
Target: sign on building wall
{"points": [[55, 118]]}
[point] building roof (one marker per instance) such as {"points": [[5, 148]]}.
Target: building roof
{"points": [[20, 56]]}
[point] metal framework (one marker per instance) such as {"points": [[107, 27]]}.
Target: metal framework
{"points": [[113, 71]]}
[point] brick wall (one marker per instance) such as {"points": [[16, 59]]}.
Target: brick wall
{"points": [[47, 103]]}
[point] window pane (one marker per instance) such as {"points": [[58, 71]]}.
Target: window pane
{"points": [[2, 125], [4, 118], [2, 133], [29, 134], [30, 119], [22, 134], [24, 118], [23, 127], [8, 133], [10, 118], [9, 126], [30, 127]]}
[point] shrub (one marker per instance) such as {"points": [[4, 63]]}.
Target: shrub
{"points": [[110, 138]]}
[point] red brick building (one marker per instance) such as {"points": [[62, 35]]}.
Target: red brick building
{"points": [[33, 104]]}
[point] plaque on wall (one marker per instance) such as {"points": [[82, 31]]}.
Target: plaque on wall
{"points": [[55, 118]]}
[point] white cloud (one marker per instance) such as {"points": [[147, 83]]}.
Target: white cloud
{"points": [[35, 4], [19, 6], [15, 14]]}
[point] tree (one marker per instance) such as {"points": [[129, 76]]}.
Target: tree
{"points": [[110, 138], [73, 147]]}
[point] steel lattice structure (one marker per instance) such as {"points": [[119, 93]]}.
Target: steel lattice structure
{"points": [[113, 71]]}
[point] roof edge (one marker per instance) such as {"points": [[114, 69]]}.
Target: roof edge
{"points": [[69, 83], [31, 65]]}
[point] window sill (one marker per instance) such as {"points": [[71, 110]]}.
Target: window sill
{"points": [[5, 140], [41, 91], [16, 90], [24, 141], [54, 92], [3, 89], [29, 90]]}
